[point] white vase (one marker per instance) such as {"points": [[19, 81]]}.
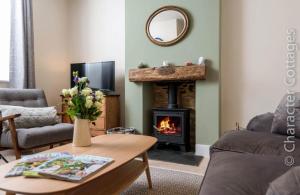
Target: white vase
{"points": [[81, 134]]}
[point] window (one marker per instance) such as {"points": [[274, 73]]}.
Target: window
{"points": [[4, 39]]}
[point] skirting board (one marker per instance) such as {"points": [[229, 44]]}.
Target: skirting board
{"points": [[202, 150]]}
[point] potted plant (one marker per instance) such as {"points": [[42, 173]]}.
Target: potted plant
{"points": [[83, 105]]}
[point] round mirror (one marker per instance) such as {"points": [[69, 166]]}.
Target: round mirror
{"points": [[167, 25]]}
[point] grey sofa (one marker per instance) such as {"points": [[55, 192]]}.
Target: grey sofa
{"points": [[24, 139], [246, 162]]}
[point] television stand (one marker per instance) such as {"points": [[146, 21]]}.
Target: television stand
{"points": [[109, 93], [110, 116]]}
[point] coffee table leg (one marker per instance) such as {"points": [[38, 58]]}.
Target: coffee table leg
{"points": [[145, 160]]}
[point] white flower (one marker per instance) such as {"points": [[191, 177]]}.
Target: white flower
{"points": [[88, 103], [98, 105], [99, 95], [65, 92], [83, 80], [86, 91], [74, 91], [89, 98]]}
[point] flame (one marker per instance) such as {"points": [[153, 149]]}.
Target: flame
{"points": [[167, 127]]}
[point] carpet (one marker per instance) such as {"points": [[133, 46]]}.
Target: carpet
{"points": [[185, 158], [166, 182]]}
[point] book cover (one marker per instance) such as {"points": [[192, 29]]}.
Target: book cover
{"points": [[28, 163], [72, 168]]}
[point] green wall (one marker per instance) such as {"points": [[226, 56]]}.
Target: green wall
{"points": [[202, 40]]}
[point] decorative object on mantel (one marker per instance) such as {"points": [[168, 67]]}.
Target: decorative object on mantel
{"points": [[84, 105], [143, 65], [188, 63], [181, 73], [201, 61], [165, 63], [166, 70]]}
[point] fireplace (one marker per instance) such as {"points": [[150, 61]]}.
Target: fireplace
{"points": [[173, 121], [171, 125]]}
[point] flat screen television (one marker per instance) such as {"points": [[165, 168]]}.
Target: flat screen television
{"points": [[100, 74]]}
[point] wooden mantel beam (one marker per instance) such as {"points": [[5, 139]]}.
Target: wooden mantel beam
{"points": [[175, 73]]}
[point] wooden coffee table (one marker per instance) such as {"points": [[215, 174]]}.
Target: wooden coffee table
{"points": [[113, 179]]}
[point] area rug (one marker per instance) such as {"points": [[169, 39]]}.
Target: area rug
{"points": [[166, 182]]}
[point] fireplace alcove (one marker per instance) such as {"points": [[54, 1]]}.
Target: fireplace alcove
{"points": [[173, 109], [174, 114]]}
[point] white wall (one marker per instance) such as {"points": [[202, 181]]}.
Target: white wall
{"points": [[51, 47], [253, 56], [69, 31], [97, 32]]}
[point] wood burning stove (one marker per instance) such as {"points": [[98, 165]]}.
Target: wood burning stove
{"points": [[172, 124]]}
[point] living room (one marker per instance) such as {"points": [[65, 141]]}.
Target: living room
{"points": [[173, 96]]}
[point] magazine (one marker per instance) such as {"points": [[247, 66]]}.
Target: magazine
{"points": [[28, 163], [72, 168]]}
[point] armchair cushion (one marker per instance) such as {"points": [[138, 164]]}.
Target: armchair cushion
{"points": [[261, 123], [282, 118], [30, 117], [23, 97], [286, 184], [39, 136]]}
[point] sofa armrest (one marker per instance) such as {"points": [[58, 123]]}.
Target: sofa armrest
{"points": [[261, 123], [13, 132], [255, 143], [63, 114], [2, 119]]}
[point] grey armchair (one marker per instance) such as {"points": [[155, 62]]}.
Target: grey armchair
{"points": [[26, 139]]}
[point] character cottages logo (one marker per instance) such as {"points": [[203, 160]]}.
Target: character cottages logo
{"points": [[290, 82]]}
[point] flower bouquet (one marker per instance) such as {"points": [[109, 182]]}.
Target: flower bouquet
{"points": [[84, 105]]}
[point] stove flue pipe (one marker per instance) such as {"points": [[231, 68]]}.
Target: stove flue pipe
{"points": [[172, 96]]}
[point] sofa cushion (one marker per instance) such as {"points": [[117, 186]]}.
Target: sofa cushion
{"points": [[261, 123], [286, 184], [280, 123], [33, 137], [23, 97], [30, 117], [255, 143], [232, 173]]}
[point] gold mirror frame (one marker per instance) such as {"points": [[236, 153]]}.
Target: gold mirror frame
{"points": [[181, 35]]}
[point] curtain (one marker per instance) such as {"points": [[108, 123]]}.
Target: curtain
{"points": [[22, 74]]}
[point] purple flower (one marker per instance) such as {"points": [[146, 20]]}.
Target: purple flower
{"points": [[94, 97], [76, 79]]}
